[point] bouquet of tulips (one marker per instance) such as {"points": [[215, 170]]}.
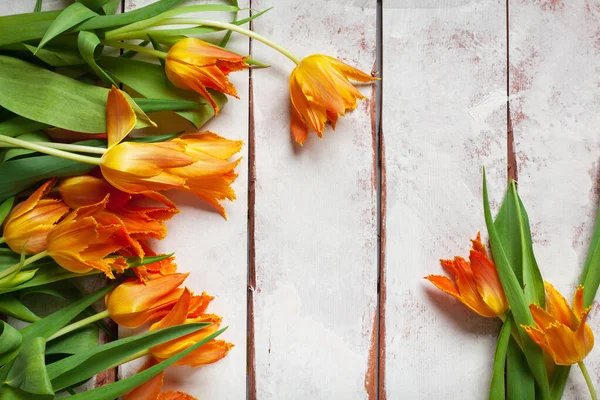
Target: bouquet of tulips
{"points": [[541, 335], [82, 190]]}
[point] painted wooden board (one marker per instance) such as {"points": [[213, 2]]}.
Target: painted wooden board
{"points": [[315, 237], [555, 102], [444, 117], [215, 250]]}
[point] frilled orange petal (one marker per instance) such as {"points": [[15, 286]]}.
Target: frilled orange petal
{"points": [[149, 390], [79, 191], [198, 305], [185, 76], [133, 302], [541, 317], [562, 341], [539, 338], [29, 231], [120, 117], [170, 395], [559, 308], [584, 337], [488, 282], [27, 205], [211, 144], [578, 307], [209, 353], [350, 72], [198, 52], [213, 190]]}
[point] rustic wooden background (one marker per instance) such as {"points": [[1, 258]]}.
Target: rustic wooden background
{"points": [[319, 270]]}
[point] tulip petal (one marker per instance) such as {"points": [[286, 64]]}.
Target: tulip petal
{"points": [[541, 317], [133, 302], [349, 71], [149, 390], [539, 338], [170, 395], [561, 340], [79, 191], [559, 308], [211, 144], [578, 308], [120, 117], [298, 128], [488, 282], [211, 352]]}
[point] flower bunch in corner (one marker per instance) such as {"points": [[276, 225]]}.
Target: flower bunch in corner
{"points": [[83, 190], [542, 335]]}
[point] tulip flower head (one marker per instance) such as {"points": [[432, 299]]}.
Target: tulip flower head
{"points": [[83, 240], [476, 282], [141, 222], [560, 330], [194, 162], [135, 302], [28, 224], [320, 90], [193, 64], [184, 312]]}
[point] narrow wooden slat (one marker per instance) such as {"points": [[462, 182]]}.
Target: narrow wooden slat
{"points": [[444, 117], [555, 102], [215, 250], [315, 215]]}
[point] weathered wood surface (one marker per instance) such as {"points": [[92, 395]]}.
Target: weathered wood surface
{"points": [[315, 237], [554, 53], [444, 117], [303, 231]]}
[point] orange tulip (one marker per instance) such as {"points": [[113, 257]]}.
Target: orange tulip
{"points": [[28, 224], [184, 313], [135, 302], [562, 331], [320, 90], [195, 162], [82, 241], [477, 284], [140, 222], [193, 64]]}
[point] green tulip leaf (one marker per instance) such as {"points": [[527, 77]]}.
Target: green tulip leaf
{"points": [[19, 125], [5, 208], [87, 43], [51, 324], [28, 378], [150, 81], [73, 15], [36, 136], [31, 26], [155, 105], [56, 56], [79, 341], [497, 387], [12, 306], [10, 342], [516, 299], [520, 383], [119, 388], [84, 365]]}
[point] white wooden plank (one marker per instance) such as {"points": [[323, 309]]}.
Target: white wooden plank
{"points": [[555, 98], [214, 250], [444, 117], [9, 7], [315, 213]]}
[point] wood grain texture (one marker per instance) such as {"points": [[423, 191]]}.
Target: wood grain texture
{"points": [[444, 117], [315, 214], [215, 250], [555, 102]]}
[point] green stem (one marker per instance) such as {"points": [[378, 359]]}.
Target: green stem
{"points": [[25, 263], [234, 28], [50, 151], [136, 26], [588, 380], [64, 146], [79, 324], [139, 49]]}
